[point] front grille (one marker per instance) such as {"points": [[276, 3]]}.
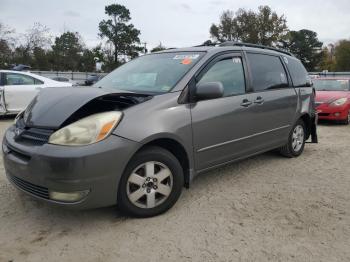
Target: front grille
{"points": [[38, 191], [31, 135], [323, 114], [36, 136]]}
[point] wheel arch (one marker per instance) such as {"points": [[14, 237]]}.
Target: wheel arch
{"points": [[306, 118], [175, 147]]}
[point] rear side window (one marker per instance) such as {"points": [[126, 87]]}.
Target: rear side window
{"points": [[230, 73], [267, 72], [12, 79], [297, 71]]}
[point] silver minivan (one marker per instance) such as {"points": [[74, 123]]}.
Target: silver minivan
{"points": [[144, 131]]}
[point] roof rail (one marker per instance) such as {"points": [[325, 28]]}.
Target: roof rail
{"points": [[208, 43], [232, 43]]}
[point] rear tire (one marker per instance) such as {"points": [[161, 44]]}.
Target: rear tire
{"points": [[151, 183], [296, 141]]}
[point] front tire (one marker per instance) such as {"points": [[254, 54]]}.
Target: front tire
{"points": [[296, 141], [151, 184]]}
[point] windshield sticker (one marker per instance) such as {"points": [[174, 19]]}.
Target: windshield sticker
{"points": [[186, 61], [283, 78], [236, 60], [285, 60], [165, 88], [183, 57]]}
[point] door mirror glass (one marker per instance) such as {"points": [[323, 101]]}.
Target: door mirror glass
{"points": [[209, 90]]}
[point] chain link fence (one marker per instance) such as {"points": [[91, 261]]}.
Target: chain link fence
{"points": [[75, 76], [330, 74]]}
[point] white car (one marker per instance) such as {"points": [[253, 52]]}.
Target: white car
{"points": [[18, 88]]}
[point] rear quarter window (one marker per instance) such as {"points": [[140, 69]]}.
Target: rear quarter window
{"points": [[267, 72], [297, 71], [38, 82]]}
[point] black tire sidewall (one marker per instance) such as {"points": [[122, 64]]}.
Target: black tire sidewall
{"points": [[151, 154], [290, 141]]}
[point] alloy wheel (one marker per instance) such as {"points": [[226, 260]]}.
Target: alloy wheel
{"points": [[149, 184], [298, 138]]}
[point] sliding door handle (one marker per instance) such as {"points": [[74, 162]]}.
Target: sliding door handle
{"points": [[246, 103], [259, 100]]}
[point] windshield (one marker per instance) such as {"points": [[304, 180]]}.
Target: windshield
{"points": [[331, 85], [155, 73]]}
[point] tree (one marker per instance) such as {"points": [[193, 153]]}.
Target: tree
{"points": [[264, 27], [122, 34], [327, 61], [7, 42], [36, 42], [158, 48], [5, 53], [37, 36], [342, 55], [68, 49], [40, 59], [305, 45], [87, 60], [226, 30]]}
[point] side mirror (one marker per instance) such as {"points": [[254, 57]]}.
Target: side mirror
{"points": [[210, 90], [309, 83]]}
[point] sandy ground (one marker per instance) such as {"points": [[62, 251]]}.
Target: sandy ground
{"points": [[267, 208]]}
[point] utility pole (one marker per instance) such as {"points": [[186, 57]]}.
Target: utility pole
{"points": [[145, 47]]}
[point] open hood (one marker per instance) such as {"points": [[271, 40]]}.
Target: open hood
{"points": [[57, 107]]}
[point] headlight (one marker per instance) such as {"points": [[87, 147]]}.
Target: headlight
{"points": [[339, 102], [88, 130]]}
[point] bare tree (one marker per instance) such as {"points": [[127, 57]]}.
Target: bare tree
{"points": [[7, 43], [37, 36]]}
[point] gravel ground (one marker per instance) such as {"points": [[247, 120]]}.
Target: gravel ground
{"points": [[267, 208]]}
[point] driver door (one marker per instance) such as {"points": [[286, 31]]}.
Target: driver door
{"points": [[221, 127]]}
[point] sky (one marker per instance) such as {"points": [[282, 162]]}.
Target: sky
{"points": [[175, 23]]}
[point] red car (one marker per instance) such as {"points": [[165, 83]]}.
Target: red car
{"points": [[333, 99]]}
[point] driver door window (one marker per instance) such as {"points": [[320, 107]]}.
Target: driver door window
{"points": [[229, 72]]}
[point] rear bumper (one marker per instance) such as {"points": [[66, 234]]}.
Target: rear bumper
{"points": [[96, 168]]}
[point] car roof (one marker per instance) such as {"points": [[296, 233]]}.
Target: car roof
{"points": [[45, 79], [15, 71]]}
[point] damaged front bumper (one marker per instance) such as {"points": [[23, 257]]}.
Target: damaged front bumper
{"points": [[76, 177]]}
